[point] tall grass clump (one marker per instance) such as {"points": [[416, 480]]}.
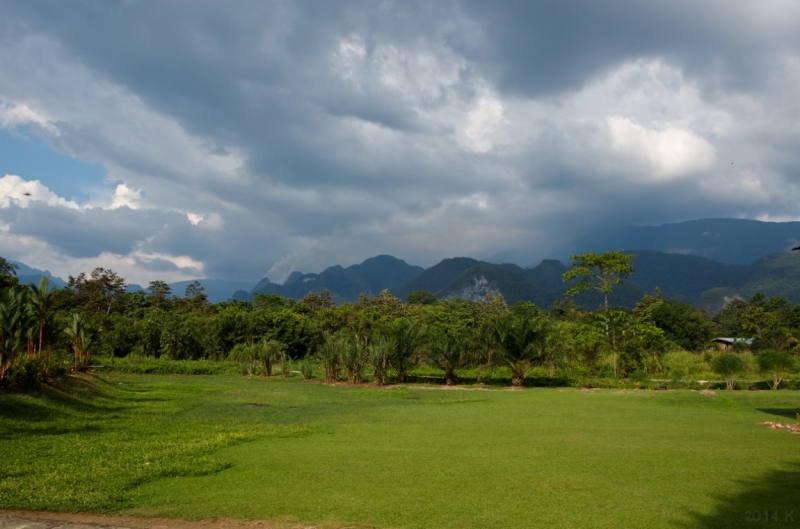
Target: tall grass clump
{"points": [[147, 365]]}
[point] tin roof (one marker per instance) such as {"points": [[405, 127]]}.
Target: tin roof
{"points": [[731, 341]]}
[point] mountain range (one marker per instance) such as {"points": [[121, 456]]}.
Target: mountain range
{"points": [[697, 280], [704, 262]]}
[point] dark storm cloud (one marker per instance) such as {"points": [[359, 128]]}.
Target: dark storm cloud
{"points": [[549, 47], [310, 133]]}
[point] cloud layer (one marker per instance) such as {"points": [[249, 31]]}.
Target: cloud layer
{"points": [[292, 136]]}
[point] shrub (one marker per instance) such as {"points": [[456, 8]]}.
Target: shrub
{"points": [[728, 366], [268, 352], [306, 369], [27, 374], [286, 364], [380, 355]]}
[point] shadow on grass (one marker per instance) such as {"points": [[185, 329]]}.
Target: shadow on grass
{"points": [[771, 499], [10, 431], [781, 412], [72, 396]]}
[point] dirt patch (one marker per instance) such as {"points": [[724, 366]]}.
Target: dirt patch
{"points": [[144, 523], [708, 392], [254, 405], [792, 428]]}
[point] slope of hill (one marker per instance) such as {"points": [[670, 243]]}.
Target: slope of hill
{"points": [[345, 284], [773, 275], [437, 277], [27, 275], [479, 280], [731, 241], [683, 277], [547, 275]]}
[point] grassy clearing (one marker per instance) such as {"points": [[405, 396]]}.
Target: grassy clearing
{"points": [[210, 446]]}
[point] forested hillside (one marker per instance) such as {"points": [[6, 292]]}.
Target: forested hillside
{"points": [[696, 280]]}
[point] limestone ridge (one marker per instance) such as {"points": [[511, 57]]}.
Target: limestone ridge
{"points": [[697, 280]]}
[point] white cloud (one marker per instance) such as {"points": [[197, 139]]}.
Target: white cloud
{"points": [[660, 154], [125, 196], [15, 190]]}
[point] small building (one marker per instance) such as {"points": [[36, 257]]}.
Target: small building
{"points": [[723, 344]]}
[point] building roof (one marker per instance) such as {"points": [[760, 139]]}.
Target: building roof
{"points": [[731, 341]]}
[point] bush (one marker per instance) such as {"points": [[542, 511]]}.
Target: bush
{"points": [[26, 374], [677, 374], [306, 369]]}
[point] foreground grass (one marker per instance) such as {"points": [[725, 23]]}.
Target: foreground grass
{"points": [[210, 446]]}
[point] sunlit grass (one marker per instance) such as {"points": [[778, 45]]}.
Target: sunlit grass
{"points": [[278, 449]]}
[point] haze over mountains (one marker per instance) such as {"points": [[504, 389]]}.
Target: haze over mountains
{"points": [[732, 241], [704, 262]]}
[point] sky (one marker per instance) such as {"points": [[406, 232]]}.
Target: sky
{"points": [[185, 139]]}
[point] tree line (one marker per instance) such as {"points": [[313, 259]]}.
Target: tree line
{"points": [[45, 332]]}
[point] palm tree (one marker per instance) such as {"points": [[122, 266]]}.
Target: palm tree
{"points": [[268, 352], [448, 349], [408, 338], [82, 341], [13, 317], [518, 341], [40, 300]]}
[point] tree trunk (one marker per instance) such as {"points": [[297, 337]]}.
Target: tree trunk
{"points": [[450, 378]]}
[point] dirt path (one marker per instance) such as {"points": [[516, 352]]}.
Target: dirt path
{"points": [[55, 520]]}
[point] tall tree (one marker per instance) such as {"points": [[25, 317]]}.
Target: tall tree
{"points": [[600, 272], [99, 291], [8, 273], [195, 291], [160, 294]]}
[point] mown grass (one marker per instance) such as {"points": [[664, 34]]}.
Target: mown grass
{"points": [[285, 450]]}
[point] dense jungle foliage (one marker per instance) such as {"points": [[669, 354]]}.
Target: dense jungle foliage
{"points": [[46, 332]]}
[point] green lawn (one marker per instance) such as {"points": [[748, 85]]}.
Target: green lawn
{"points": [[210, 446]]}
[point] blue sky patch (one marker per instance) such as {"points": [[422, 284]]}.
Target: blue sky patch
{"points": [[32, 159]]}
